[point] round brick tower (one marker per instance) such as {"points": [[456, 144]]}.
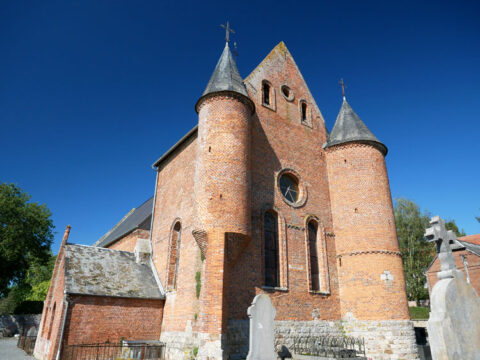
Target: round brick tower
{"points": [[222, 183], [371, 279], [222, 193]]}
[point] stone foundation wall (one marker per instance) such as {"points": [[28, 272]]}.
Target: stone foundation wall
{"points": [[236, 345], [385, 340], [190, 345]]}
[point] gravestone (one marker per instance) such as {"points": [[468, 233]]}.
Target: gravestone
{"points": [[262, 337], [454, 323]]}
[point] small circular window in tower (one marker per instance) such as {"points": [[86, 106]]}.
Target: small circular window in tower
{"points": [[287, 93], [289, 187]]}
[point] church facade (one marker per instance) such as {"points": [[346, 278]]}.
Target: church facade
{"points": [[260, 198]]}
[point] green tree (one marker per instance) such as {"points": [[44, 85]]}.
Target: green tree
{"points": [[416, 253], [26, 233], [451, 225], [37, 279]]}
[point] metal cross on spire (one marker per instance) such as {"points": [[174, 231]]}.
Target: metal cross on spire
{"points": [[342, 84], [228, 30]]}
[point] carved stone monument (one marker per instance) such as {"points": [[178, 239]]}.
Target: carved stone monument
{"points": [[262, 337], [454, 323]]}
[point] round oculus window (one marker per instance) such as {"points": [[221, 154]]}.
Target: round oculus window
{"points": [[289, 187], [287, 93]]}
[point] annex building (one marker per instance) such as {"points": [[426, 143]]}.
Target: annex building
{"points": [[257, 198]]}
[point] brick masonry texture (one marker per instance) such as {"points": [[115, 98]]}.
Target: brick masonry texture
{"points": [[128, 242], [49, 334], [365, 234], [97, 319]]}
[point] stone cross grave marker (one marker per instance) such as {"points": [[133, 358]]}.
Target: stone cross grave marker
{"points": [[454, 323], [262, 337]]}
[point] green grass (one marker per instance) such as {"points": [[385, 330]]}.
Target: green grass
{"points": [[419, 313]]}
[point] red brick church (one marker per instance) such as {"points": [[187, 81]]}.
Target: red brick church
{"points": [[257, 198]]}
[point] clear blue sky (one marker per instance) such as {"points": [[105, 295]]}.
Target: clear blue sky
{"points": [[92, 92]]}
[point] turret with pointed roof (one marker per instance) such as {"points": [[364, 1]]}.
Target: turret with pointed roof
{"points": [[225, 77], [350, 128], [222, 185]]}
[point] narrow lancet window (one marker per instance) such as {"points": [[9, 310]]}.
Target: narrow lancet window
{"points": [[174, 256], [304, 111], [266, 94], [313, 250], [271, 249]]}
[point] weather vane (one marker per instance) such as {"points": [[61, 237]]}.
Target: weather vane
{"points": [[228, 30], [342, 84]]}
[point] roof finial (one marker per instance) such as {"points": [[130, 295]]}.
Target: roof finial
{"points": [[342, 84], [228, 30]]}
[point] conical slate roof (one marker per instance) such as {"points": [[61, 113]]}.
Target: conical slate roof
{"points": [[349, 127], [225, 77]]}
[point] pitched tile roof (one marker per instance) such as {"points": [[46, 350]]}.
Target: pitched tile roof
{"points": [[472, 239], [98, 271]]}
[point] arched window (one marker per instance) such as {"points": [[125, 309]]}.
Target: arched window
{"points": [[313, 251], [271, 249], [52, 317], [304, 111], [266, 93], [174, 255]]}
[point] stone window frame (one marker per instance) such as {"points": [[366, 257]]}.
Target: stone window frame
{"points": [[308, 120], [282, 248], [303, 192], [171, 283], [322, 257], [272, 95]]}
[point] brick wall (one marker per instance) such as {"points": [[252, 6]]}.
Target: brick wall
{"points": [[97, 319], [365, 234], [175, 202], [473, 269], [279, 141], [49, 333], [128, 242]]}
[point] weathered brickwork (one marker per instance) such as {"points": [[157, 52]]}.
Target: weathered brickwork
{"points": [[365, 234], [473, 261], [49, 334], [128, 242], [281, 141], [175, 202], [98, 319]]}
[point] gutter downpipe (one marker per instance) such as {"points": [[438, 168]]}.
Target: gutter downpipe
{"points": [[60, 344]]}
